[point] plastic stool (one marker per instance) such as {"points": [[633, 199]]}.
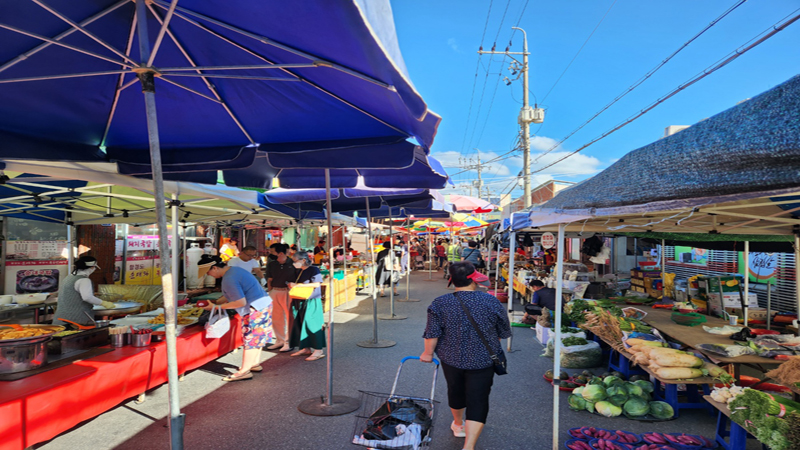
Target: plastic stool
{"points": [[669, 393], [622, 365]]}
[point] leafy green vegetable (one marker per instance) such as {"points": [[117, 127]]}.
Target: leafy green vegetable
{"points": [[608, 409], [618, 400], [567, 329], [593, 393], [645, 385], [590, 406], [576, 402], [634, 390], [635, 407], [573, 340], [612, 380], [661, 410], [578, 390]]}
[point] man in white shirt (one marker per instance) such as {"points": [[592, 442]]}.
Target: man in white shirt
{"points": [[248, 261]]}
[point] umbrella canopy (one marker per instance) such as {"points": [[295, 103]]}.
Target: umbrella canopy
{"points": [[82, 203], [243, 79], [468, 204]]}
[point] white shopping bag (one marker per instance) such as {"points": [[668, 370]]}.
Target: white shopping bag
{"points": [[218, 323]]}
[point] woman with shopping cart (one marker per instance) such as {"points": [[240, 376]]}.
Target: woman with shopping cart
{"points": [[460, 327]]}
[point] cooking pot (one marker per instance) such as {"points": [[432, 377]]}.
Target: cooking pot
{"points": [[19, 355]]}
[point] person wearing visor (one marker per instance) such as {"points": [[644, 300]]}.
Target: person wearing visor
{"points": [[466, 362], [243, 293], [76, 297]]}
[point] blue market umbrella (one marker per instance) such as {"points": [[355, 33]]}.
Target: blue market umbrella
{"points": [[230, 77]]}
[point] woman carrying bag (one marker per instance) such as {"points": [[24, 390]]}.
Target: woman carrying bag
{"points": [[464, 329], [242, 292], [384, 273], [306, 295]]}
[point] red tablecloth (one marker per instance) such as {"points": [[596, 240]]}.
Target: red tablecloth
{"points": [[40, 407]]}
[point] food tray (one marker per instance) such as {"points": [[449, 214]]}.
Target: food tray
{"points": [[84, 340]]}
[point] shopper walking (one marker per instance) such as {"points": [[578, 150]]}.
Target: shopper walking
{"points": [[466, 362], [242, 292], [386, 266], [307, 333], [279, 273]]}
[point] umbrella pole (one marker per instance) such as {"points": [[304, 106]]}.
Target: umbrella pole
{"points": [[147, 79], [329, 405], [557, 328], [746, 300], [408, 264], [176, 239], [375, 342], [512, 250], [430, 254], [391, 315]]}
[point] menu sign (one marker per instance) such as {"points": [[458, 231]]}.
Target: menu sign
{"points": [[139, 270], [144, 242], [36, 249], [34, 277]]}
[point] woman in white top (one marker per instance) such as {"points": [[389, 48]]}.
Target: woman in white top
{"points": [[76, 296]]}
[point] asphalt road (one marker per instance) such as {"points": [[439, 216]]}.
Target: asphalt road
{"points": [[263, 414]]}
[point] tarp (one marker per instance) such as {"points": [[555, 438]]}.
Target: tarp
{"points": [[745, 152]]}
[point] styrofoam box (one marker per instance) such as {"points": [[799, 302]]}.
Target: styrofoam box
{"points": [[542, 334]]}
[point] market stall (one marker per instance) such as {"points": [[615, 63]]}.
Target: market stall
{"points": [[734, 173], [33, 408]]}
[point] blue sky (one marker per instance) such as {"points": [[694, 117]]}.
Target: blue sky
{"points": [[439, 40]]}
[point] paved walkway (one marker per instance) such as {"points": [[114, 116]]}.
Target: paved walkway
{"points": [[262, 413]]}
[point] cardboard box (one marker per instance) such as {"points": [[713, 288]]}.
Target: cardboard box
{"points": [[655, 293], [542, 334], [730, 300]]}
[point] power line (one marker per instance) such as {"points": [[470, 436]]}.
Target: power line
{"points": [[475, 80], [724, 62], [579, 50], [644, 77]]}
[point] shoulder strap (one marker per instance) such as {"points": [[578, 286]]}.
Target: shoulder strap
{"points": [[492, 355]]}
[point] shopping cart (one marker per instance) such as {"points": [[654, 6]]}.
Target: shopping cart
{"points": [[393, 421]]}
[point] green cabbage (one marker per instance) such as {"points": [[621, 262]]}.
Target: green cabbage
{"points": [[577, 390], [593, 393], [634, 390], [608, 409], [636, 407], [661, 410], [618, 399], [590, 406], [612, 380], [645, 385], [576, 402]]}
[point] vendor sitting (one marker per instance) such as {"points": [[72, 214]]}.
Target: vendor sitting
{"points": [[543, 297], [76, 298]]}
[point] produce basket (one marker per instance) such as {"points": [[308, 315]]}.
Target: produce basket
{"points": [[593, 433], [577, 434], [602, 444], [687, 442]]}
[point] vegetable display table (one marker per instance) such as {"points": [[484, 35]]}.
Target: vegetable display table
{"points": [[40, 407], [694, 336], [737, 435]]}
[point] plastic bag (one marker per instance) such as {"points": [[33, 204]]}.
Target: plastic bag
{"points": [[551, 341], [581, 356], [218, 323], [688, 319], [727, 330], [730, 351], [382, 424]]}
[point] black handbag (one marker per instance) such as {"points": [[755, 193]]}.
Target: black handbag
{"points": [[500, 364]]}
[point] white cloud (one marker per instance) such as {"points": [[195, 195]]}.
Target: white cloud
{"points": [[543, 143], [576, 165], [452, 43]]}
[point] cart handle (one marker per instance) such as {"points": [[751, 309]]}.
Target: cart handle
{"points": [[435, 361], [400, 369]]}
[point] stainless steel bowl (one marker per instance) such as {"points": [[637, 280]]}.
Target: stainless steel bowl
{"points": [[21, 355], [120, 308]]}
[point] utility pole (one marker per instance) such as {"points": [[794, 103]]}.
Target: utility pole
{"points": [[527, 115], [480, 182]]}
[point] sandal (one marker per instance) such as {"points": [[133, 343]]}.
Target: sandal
{"points": [[315, 357], [257, 368], [234, 377], [302, 352]]}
